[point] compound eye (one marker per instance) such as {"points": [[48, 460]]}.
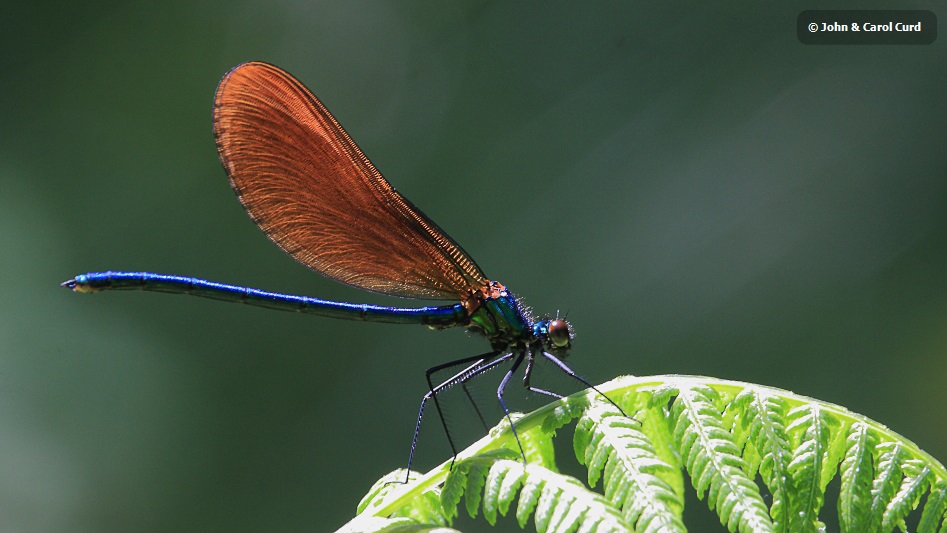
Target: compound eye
{"points": [[558, 332]]}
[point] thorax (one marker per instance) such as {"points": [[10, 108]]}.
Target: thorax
{"points": [[496, 314]]}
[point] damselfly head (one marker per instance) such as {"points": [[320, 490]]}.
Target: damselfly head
{"points": [[559, 333]]}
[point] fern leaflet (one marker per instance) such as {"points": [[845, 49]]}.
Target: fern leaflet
{"points": [[763, 416], [813, 463], [857, 475], [714, 462], [558, 502], [607, 440], [934, 509]]}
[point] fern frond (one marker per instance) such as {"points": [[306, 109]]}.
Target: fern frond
{"points": [[917, 479], [714, 462], [558, 503], [857, 473], [816, 453], [722, 433], [888, 476], [934, 508], [607, 440], [763, 416], [467, 479]]}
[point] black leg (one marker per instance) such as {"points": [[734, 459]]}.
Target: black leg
{"points": [[456, 378], [565, 368], [481, 363], [529, 373], [500, 390], [546, 392], [474, 404]]}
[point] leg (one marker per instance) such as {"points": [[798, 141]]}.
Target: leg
{"points": [[565, 368], [457, 378], [500, 390], [529, 373], [546, 392], [474, 404], [482, 363]]}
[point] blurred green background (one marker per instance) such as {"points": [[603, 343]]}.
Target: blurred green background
{"points": [[702, 194]]}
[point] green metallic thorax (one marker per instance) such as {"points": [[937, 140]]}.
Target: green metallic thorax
{"points": [[500, 319]]}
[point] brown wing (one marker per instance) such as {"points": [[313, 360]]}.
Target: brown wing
{"points": [[307, 185]]}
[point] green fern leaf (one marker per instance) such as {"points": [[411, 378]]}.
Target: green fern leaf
{"points": [[656, 424], [857, 476], [607, 440], [425, 510], [453, 490], [753, 460], [468, 479], [558, 503], [476, 479], [764, 418], [811, 430], [917, 478], [888, 476], [529, 496], [662, 394], [714, 462], [538, 446], [733, 419], [934, 508], [566, 410], [499, 491], [837, 446]]}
